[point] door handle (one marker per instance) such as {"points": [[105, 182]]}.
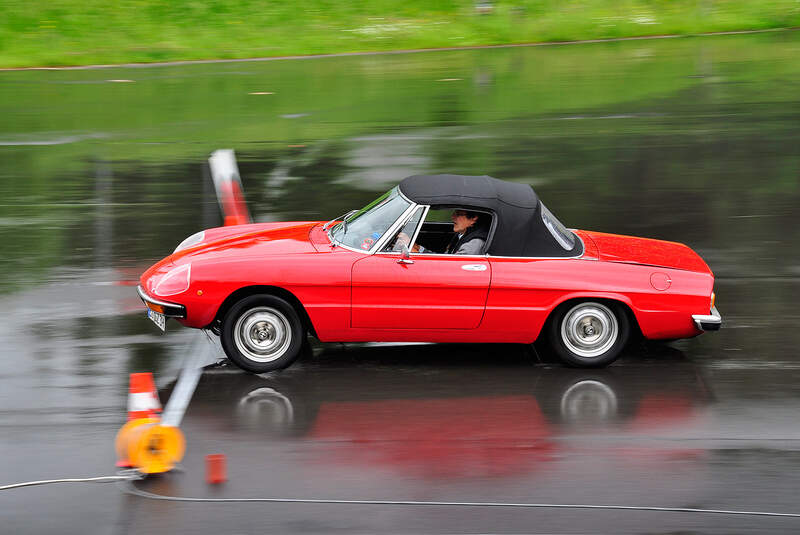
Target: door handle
{"points": [[474, 267], [405, 261]]}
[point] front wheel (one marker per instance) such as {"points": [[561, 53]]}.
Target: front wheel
{"points": [[262, 333], [589, 334]]}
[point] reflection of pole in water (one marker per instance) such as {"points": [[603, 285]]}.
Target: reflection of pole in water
{"points": [[103, 228], [200, 353]]}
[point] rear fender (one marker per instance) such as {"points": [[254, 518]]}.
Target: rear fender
{"points": [[576, 297]]}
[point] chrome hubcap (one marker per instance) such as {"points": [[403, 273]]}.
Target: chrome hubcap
{"points": [[589, 329], [262, 334]]}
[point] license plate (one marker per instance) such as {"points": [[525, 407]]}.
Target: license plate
{"points": [[157, 318]]}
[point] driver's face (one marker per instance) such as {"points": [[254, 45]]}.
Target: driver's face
{"points": [[461, 222]]}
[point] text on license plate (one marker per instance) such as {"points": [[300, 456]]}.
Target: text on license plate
{"points": [[158, 319]]}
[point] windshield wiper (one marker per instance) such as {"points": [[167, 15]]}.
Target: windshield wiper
{"points": [[343, 219], [337, 218]]}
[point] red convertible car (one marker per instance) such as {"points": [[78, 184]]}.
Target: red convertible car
{"points": [[396, 270]]}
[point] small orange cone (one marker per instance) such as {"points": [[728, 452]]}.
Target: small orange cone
{"points": [[216, 470], [143, 398]]}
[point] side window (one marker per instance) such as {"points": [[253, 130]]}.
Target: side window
{"points": [[406, 233], [564, 237], [438, 233]]}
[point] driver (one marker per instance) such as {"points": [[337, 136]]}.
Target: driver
{"points": [[470, 231], [469, 239]]}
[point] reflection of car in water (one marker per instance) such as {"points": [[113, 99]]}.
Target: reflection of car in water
{"points": [[450, 421], [360, 278]]}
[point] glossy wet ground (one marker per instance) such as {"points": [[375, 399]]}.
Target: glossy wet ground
{"points": [[692, 140]]}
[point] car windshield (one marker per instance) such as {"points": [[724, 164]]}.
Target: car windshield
{"points": [[365, 227], [564, 237]]}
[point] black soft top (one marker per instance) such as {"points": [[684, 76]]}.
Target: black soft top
{"points": [[519, 229]]}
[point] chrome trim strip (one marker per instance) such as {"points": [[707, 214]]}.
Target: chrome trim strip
{"points": [[425, 209], [176, 310], [437, 255], [708, 322], [394, 227], [353, 249], [403, 195], [489, 257], [404, 221]]}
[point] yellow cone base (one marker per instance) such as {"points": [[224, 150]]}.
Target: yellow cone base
{"points": [[124, 436], [148, 446]]}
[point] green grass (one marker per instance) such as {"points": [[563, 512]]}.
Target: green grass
{"points": [[72, 32]]}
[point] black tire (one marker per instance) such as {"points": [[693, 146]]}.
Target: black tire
{"points": [[589, 334], [262, 333]]}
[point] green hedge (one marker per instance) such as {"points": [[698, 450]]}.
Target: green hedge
{"points": [[71, 32]]}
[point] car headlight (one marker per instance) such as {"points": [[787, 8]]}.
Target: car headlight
{"points": [[175, 281], [192, 240]]}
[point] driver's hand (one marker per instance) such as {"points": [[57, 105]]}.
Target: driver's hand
{"points": [[405, 238]]}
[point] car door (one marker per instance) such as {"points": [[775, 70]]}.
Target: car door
{"points": [[425, 291]]}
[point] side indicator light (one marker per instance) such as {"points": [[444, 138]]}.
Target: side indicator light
{"points": [[713, 298]]}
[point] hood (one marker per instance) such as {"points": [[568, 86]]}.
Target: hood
{"points": [[645, 251], [256, 239]]}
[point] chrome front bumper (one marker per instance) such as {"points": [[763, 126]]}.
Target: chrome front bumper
{"points": [[708, 322], [170, 310]]}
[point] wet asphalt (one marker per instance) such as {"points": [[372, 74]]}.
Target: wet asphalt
{"points": [[429, 423]]}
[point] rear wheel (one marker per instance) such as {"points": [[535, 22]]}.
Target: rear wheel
{"points": [[262, 333], [589, 334]]}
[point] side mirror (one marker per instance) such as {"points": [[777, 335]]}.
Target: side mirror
{"points": [[405, 255]]}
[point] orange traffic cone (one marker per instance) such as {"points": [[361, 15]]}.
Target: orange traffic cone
{"points": [[143, 408], [143, 398], [216, 469]]}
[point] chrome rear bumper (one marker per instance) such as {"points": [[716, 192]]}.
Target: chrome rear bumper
{"points": [[708, 322]]}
